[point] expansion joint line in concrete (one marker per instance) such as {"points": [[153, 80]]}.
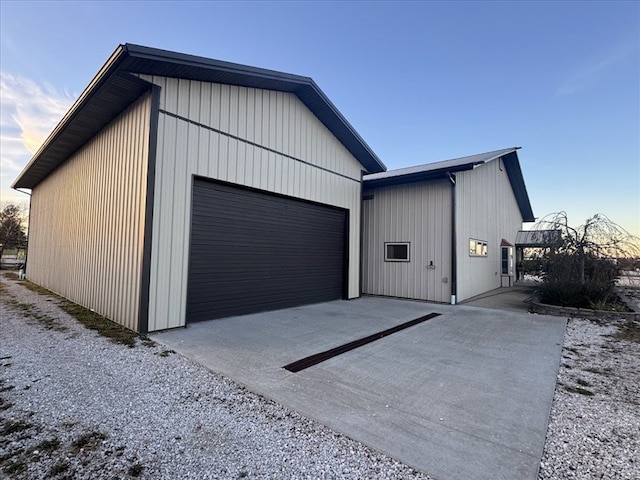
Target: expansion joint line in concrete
{"points": [[326, 355]]}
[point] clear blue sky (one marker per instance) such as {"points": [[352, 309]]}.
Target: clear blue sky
{"points": [[420, 81]]}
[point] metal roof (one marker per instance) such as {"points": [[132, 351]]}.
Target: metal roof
{"points": [[539, 238], [436, 170], [452, 165], [114, 88]]}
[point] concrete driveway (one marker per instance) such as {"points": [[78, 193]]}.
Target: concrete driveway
{"points": [[465, 395]]}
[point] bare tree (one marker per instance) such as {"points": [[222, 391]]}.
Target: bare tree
{"points": [[598, 237]]}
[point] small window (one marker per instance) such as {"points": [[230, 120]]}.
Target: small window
{"points": [[396, 252], [478, 248]]}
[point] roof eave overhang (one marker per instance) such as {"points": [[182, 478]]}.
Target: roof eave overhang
{"points": [[108, 94], [510, 161], [514, 172], [417, 176], [116, 86]]}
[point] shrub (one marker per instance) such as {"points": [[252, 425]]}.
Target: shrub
{"points": [[562, 283]]}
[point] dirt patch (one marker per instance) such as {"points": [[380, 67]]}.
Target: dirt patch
{"points": [[629, 331]]}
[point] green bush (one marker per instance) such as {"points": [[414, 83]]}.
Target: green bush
{"points": [[562, 282], [533, 266]]}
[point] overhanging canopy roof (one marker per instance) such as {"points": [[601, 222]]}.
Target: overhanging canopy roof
{"points": [[436, 170], [538, 238], [114, 88]]}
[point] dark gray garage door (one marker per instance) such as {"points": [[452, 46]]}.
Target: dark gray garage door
{"points": [[252, 251]]}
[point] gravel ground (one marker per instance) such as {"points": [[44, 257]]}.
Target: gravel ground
{"points": [[75, 405], [594, 428]]}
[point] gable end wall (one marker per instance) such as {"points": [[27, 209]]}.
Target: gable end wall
{"points": [[257, 138]]}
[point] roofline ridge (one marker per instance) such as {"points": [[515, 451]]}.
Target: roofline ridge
{"points": [[143, 51]]}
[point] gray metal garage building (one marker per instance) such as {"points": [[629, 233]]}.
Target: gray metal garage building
{"points": [[179, 188]]}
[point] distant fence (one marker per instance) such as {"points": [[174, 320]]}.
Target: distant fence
{"points": [[629, 278], [13, 259]]}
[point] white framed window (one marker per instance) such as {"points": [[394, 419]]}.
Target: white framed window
{"points": [[478, 248], [396, 251]]}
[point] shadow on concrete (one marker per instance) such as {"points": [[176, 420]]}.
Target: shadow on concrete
{"points": [[512, 299]]}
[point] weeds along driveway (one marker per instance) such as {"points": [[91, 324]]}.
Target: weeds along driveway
{"points": [[464, 395]]}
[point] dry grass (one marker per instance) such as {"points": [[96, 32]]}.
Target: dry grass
{"points": [[88, 441], [92, 320], [11, 275], [629, 331]]}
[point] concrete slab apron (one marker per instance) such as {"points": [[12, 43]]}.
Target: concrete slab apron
{"points": [[464, 395]]}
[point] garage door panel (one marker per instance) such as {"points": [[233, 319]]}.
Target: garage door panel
{"points": [[263, 258], [259, 275], [252, 251], [320, 226], [230, 304], [293, 279], [261, 297], [255, 244]]}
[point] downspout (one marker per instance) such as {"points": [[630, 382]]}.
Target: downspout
{"points": [[360, 280], [454, 266]]}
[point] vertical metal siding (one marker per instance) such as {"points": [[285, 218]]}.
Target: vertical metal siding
{"points": [[419, 213], [276, 120], [87, 220], [486, 209]]}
